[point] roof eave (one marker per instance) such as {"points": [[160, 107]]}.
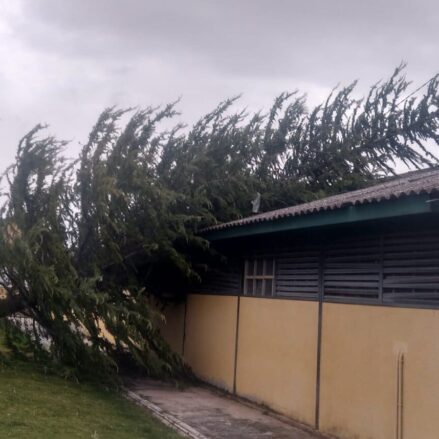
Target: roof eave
{"points": [[409, 205]]}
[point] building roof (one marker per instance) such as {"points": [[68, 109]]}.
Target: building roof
{"points": [[424, 182]]}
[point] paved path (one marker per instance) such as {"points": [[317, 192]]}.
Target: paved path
{"points": [[202, 413]]}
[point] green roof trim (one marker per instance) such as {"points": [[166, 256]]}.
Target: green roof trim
{"points": [[403, 206]]}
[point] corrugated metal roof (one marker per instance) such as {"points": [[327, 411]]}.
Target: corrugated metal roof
{"points": [[412, 183]]}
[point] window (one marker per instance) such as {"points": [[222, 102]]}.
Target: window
{"points": [[259, 277]]}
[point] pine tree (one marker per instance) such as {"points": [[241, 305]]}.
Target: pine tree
{"points": [[88, 245]]}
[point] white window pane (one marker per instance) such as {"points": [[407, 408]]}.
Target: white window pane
{"points": [[268, 287], [258, 291], [249, 287]]}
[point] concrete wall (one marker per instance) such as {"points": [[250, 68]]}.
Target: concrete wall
{"points": [[277, 355], [277, 360], [360, 347], [210, 338]]}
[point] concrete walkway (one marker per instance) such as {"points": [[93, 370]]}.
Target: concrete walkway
{"points": [[199, 412]]}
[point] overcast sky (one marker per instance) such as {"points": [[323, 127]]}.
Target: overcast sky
{"points": [[63, 61]]}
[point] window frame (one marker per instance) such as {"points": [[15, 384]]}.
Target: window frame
{"points": [[254, 277]]}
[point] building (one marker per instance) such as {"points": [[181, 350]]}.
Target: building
{"points": [[327, 312]]}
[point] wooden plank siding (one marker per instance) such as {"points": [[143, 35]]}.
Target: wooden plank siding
{"points": [[411, 267], [352, 268], [381, 267], [221, 281], [297, 273]]}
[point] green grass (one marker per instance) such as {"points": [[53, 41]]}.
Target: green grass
{"points": [[38, 406]]}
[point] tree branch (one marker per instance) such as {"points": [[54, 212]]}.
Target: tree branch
{"points": [[11, 304]]}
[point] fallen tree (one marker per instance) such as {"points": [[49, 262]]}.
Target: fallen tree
{"points": [[85, 244]]}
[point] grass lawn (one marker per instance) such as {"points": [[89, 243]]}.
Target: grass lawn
{"points": [[36, 406]]}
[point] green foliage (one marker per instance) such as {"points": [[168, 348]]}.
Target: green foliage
{"points": [[16, 340], [92, 243]]}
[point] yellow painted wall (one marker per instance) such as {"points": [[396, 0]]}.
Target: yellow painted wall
{"points": [[210, 338], [172, 328], [360, 346], [277, 355]]}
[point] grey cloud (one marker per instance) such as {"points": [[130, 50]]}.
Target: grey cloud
{"points": [[65, 60], [319, 38]]}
